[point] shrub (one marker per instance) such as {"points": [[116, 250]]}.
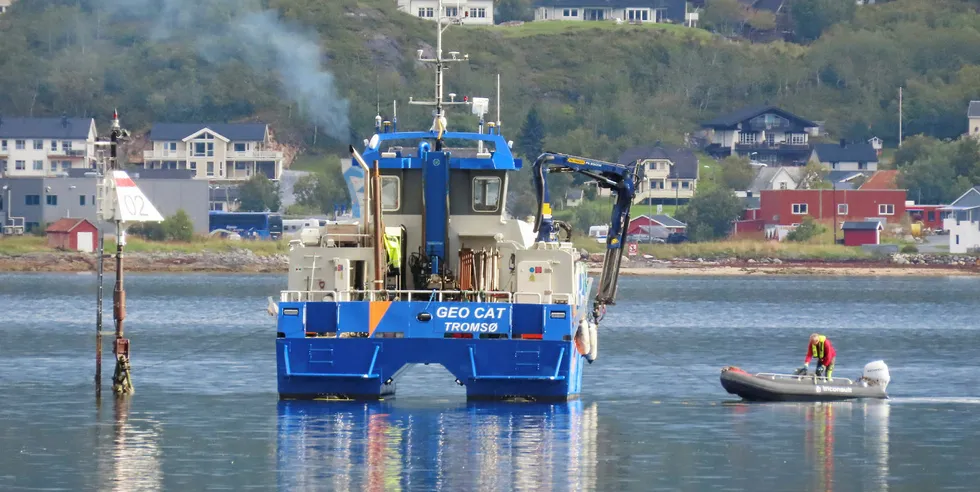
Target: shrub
{"points": [[909, 248]]}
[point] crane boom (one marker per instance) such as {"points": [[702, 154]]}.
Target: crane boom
{"points": [[621, 179]]}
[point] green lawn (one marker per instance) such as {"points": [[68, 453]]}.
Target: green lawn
{"points": [[34, 244], [545, 28]]}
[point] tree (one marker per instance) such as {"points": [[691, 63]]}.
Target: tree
{"points": [[530, 143], [814, 177], [807, 230], [725, 16], [737, 173], [178, 227], [709, 215], [319, 192], [812, 17], [259, 194], [762, 20], [513, 10]]}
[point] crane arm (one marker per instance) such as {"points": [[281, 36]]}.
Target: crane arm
{"points": [[621, 179]]}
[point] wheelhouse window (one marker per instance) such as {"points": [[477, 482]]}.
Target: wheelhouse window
{"points": [[886, 209], [486, 194], [390, 193], [799, 209]]}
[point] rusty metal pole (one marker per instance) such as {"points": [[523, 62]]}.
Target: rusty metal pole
{"points": [[121, 381], [98, 319]]}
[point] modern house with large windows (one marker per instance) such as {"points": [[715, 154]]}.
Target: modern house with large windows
{"points": [[632, 11], [762, 133], [472, 12], [215, 151]]}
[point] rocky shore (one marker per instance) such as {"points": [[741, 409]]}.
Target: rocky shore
{"points": [[245, 261]]}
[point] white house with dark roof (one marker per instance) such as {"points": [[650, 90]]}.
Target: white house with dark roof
{"points": [[5, 5], [215, 151], [45, 146], [468, 12], [762, 133], [973, 116], [846, 157], [962, 220], [667, 174], [632, 11]]}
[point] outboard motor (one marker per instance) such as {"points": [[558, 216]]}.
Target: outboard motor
{"points": [[877, 373]]}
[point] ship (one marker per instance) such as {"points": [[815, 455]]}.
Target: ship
{"points": [[432, 270]]}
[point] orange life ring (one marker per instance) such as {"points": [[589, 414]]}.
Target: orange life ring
{"points": [[322, 284]]}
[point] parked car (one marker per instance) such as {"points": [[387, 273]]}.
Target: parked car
{"points": [[676, 238], [644, 239]]}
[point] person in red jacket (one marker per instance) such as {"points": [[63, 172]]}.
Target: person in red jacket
{"points": [[821, 349]]}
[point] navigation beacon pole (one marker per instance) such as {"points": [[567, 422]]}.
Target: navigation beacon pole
{"points": [[122, 382], [100, 191]]}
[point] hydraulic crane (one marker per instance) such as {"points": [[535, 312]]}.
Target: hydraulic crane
{"points": [[621, 179]]}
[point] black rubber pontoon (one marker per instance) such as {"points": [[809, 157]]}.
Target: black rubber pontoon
{"points": [[788, 387]]}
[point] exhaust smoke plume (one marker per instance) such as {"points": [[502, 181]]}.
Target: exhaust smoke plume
{"points": [[223, 30]]}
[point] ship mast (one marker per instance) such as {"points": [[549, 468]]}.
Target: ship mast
{"points": [[439, 122]]}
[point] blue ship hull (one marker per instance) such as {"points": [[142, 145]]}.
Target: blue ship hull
{"points": [[328, 350]]}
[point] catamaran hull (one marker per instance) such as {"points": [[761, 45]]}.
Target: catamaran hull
{"points": [[368, 368], [760, 388]]}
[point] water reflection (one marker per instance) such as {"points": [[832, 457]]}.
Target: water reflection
{"points": [[384, 446], [832, 433], [134, 461]]}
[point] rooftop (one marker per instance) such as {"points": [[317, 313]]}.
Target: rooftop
{"points": [[844, 152], [62, 128], [860, 225], [731, 119], [882, 180], [64, 225], [685, 162], [250, 132], [974, 110]]}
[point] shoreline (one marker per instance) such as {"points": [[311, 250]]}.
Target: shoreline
{"points": [[245, 261]]}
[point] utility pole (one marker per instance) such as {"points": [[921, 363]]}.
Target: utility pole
{"points": [[899, 116]]}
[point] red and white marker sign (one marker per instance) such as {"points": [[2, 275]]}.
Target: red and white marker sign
{"points": [[129, 202], [631, 249]]}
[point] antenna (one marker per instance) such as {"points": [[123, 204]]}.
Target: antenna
{"points": [[498, 104]]}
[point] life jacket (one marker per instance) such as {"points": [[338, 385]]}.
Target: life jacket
{"points": [[817, 348]]}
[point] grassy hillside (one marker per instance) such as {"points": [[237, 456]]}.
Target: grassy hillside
{"points": [[600, 87]]}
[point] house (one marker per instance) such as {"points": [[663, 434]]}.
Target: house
{"points": [[846, 157], [5, 4], [847, 180], [762, 133], [644, 223], [963, 222], [667, 174], [861, 232], [973, 117], [877, 144], [573, 198], [788, 207], [776, 178], [45, 146], [471, 12], [632, 11], [73, 235], [215, 151], [40, 200]]}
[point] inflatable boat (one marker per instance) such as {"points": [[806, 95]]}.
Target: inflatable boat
{"points": [[800, 387]]}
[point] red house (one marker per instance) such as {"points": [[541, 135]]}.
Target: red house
{"points": [[857, 233], [930, 215], [788, 207], [73, 235], [637, 225]]}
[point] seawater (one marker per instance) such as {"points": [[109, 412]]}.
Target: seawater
{"points": [[653, 415]]}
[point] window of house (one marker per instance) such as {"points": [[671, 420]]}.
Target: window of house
{"points": [[239, 147], [673, 184], [51, 199], [38, 165], [486, 193], [782, 185], [54, 146], [20, 165], [32, 199], [479, 13], [171, 146], [210, 169], [746, 137], [3, 166], [862, 165], [81, 200], [452, 11], [684, 184], [797, 138], [241, 166], [66, 146], [841, 209], [637, 14], [19, 144], [429, 12], [932, 216], [65, 165], [54, 166], [390, 193], [799, 209], [886, 209], [3, 145], [204, 149], [39, 145]]}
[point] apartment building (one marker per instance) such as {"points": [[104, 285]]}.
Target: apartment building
{"points": [[33, 147]]}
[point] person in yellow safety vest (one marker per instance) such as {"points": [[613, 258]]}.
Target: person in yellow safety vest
{"points": [[821, 349], [394, 249]]}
